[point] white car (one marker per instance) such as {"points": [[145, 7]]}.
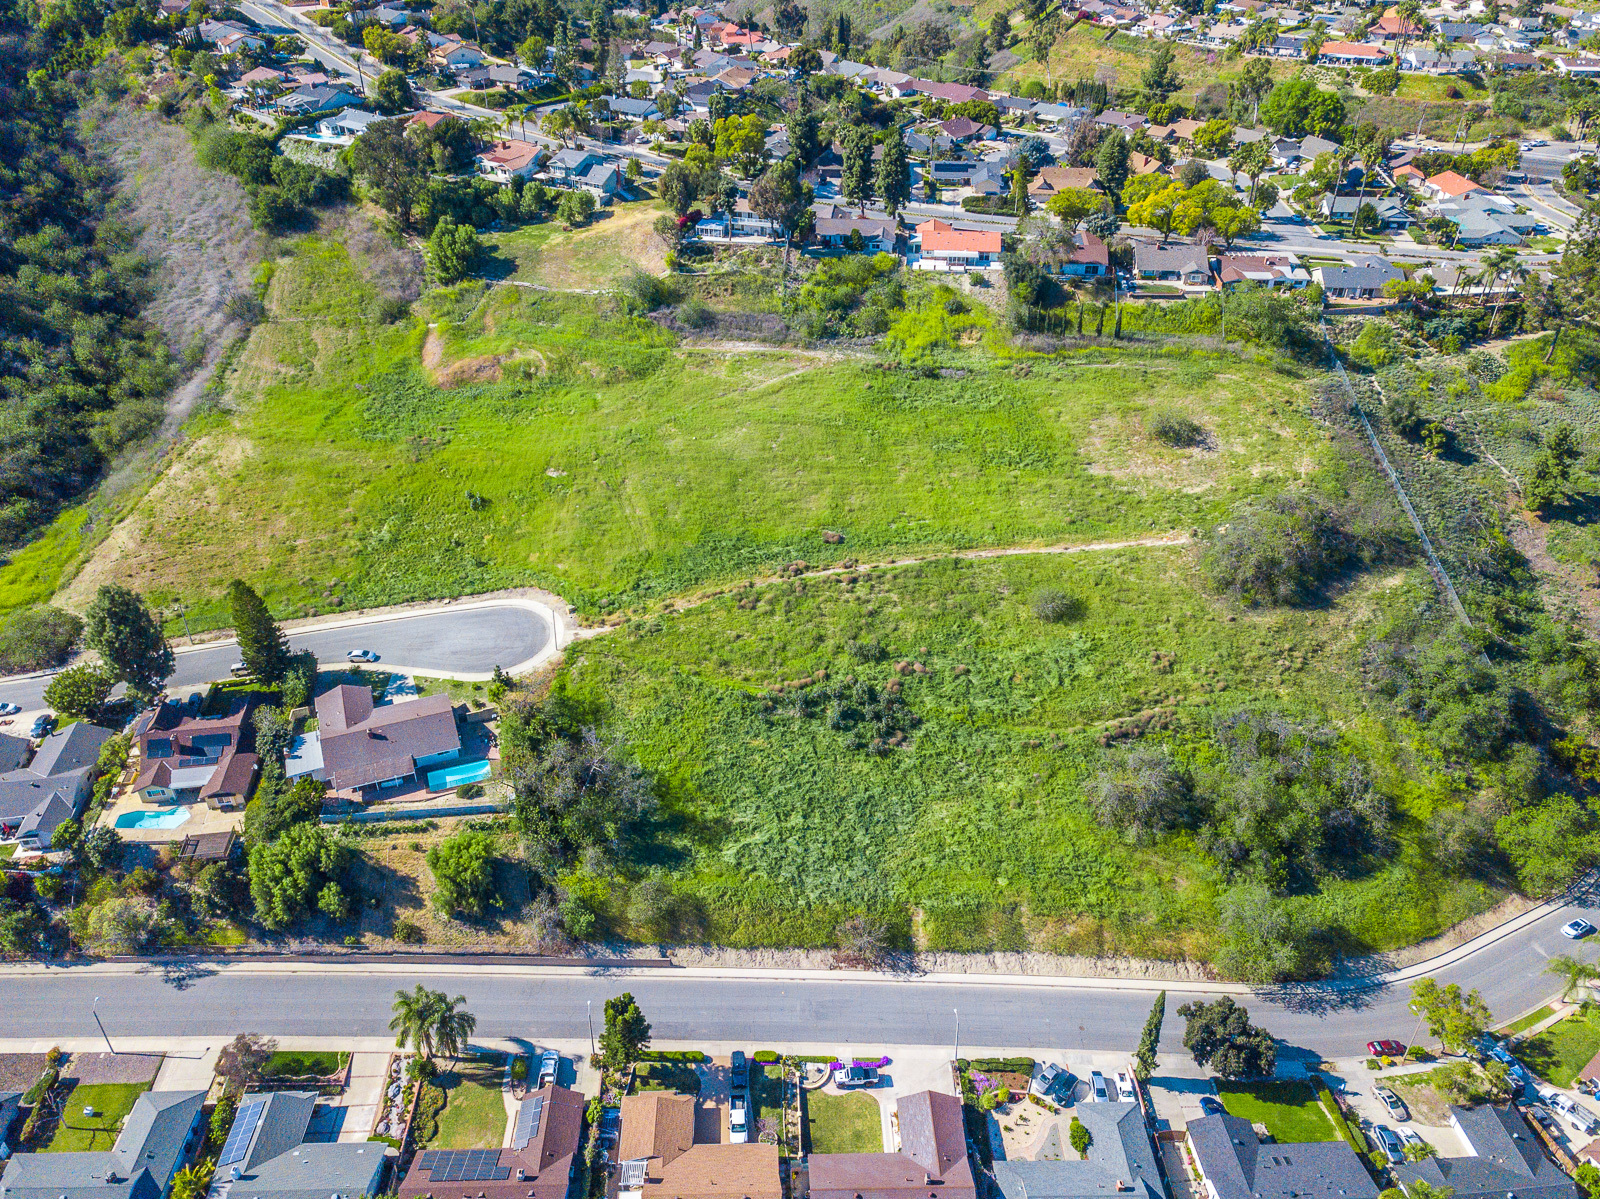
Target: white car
{"points": [[738, 1118], [1576, 930], [10, 709], [1125, 1091], [549, 1067], [1097, 1087], [361, 655]]}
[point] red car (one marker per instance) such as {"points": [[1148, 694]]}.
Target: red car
{"points": [[1386, 1049]]}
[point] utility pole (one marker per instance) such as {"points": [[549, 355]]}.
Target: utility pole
{"points": [[958, 1032], [588, 1007], [96, 1010]]}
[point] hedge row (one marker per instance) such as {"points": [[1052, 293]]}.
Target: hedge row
{"points": [[1007, 1065]]}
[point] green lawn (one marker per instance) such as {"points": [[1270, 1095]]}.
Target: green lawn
{"points": [[7, 851], [1527, 1021], [618, 240], [78, 1133], [299, 1063], [843, 1123], [1560, 1051], [1289, 1109], [475, 1114]]}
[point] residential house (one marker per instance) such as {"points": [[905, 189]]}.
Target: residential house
{"points": [[1268, 270], [1579, 67], [1120, 1161], [510, 159], [1125, 121], [229, 37], [314, 98], [938, 246], [1363, 281], [540, 1162], [1051, 180], [1409, 175], [1487, 225], [1287, 45], [932, 1159], [1447, 185], [835, 225], [1014, 106], [633, 110], [267, 1156], [1186, 265], [347, 124], [14, 752], [1458, 279], [1505, 1158], [264, 79], [661, 1157], [357, 745], [1516, 62], [1391, 213], [741, 221], [1185, 129], [961, 130], [427, 119], [603, 181], [161, 1132], [951, 93], [951, 172], [38, 797], [735, 79], [1432, 62], [989, 179], [569, 166], [455, 54], [187, 757], [1352, 54], [1054, 114], [1143, 164], [1084, 257], [1234, 1164]]}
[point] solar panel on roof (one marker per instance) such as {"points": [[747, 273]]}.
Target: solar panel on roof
{"points": [[529, 1117], [237, 1146], [464, 1165]]}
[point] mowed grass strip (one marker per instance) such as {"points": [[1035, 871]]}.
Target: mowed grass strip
{"points": [[843, 1123], [1289, 1109], [1562, 1050], [111, 1102]]}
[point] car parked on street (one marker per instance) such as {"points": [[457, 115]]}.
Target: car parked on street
{"points": [[238, 670], [10, 709], [1576, 930], [361, 655], [1386, 1049], [1383, 1139], [1393, 1104], [856, 1076]]}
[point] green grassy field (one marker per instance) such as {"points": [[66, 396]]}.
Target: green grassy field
{"points": [[595, 456], [111, 1102], [843, 1123], [296, 1063], [1560, 1051], [475, 1115], [1289, 1109]]}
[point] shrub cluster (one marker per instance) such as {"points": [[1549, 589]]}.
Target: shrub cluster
{"points": [[1278, 551]]}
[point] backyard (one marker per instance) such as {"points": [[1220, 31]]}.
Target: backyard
{"points": [[1289, 1109], [843, 1123], [474, 1115], [80, 1132], [1562, 1050]]}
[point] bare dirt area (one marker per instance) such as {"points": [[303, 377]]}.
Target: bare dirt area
{"points": [[194, 224], [393, 265], [1566, 585], [602, 252]]}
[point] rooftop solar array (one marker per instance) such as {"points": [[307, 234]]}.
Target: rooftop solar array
{"points": [[528, 1119], [237, 1146], [464, 1165]]}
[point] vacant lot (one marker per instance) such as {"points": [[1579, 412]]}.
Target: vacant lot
{"points": [[1085, 52], [620, 239], [110, 1103], [1289, 1109], [592, 455], [843, 1123]]}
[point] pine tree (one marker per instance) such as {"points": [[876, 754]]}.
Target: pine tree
{"points": [[1150, 1041], [1112, 164], [262, 645], [894, 172], [125, 633], [627, 1032], [856, 183]]}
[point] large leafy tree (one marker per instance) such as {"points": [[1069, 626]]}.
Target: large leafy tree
{"points": [[1456, 1017], [779, 196], [394, 165], [626, 1034], [578, 797], [1111, 163], [262, 645], [79, 691], [463, 873], [1160, 78], [1221, 1036], [290, 874], [125, 633], [1296, 107]]}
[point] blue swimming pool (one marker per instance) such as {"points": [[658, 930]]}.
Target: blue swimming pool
{"points": [[161, 818], [461, 772]]}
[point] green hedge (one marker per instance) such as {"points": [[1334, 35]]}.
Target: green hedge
{"points": [[1009, 1065], [1340, 1124], [673, 1055], [765, 1056], [40, 1088], [993, 205]]}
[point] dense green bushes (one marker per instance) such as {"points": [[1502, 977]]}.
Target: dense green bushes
{"points": [[36, 638], [282, 191], [1278, 551]]}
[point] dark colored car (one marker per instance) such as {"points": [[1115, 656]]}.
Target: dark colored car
{"points": [[1212, 1106], [43, 727], [1386, 1049], [741, 1069]]}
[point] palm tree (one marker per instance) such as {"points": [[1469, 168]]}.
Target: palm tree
{"points": [[1496, 265], [451, 1027], [194, 1181], [1572, 972], [559, 123], [415, 1019]]}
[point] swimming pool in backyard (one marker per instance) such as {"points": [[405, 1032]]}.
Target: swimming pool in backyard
{"points": [[455, 776], [161, 818]]}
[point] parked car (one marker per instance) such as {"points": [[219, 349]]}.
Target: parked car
{"points": [[1049, 1078], [361, 655], [238, 670], [42, 727], [739, 1118], [10, 709], [1097, 1087], [1409, 1137], [856, 1076], [1212, 1106], [549, 1067], [1395, 1106], [1493, 1048], [1125, 1091], [1386, 1049], [1382, 1139], [740, 1069], [1576, 1114], [1576, 930]]}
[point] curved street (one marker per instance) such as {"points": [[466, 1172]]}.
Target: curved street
{"points": [[318, 998]]}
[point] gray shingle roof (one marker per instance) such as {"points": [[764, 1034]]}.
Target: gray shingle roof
{"points": [[1507, 1160], [1119, 1155], [74, 747], [1240, 1167], [141, 1163]]}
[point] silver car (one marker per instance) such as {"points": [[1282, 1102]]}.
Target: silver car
{"points": [[1385, 1142]]}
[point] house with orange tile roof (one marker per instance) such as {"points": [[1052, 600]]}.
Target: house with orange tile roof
{"points": [[938, 246]]}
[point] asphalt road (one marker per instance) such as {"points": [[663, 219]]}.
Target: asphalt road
{"points": [[292, 999], [469, 640]]}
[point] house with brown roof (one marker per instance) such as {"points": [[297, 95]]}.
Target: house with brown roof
{"points": [[1051, 180], [509, 159], [538, 1164], [198, 758], [661, 1159], [1083, 257], [932, 1159], [358, 745]]}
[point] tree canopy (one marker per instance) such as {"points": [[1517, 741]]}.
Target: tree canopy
{"points": [[1221, 1036]]}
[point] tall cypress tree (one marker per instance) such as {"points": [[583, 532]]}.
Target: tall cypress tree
{"points": [[1150, 1041], [856, 184], [894, 172], [262, 645]]}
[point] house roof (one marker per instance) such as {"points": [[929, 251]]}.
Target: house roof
{"points": [[537, 1163], [186, 752], [936, 235], [1452, 184], [1259, 268], [1368, 275], [1119, 1161], [138, 1166], [1238, 1166], [73, 748], [362, 745], [1147, 256], [1351, 50], [1050, 180], [1506, 1159], [14, 751], [512, 155], [656, 1125], [933, 1133]]}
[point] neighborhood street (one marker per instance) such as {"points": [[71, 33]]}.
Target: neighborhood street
{"points": [[306, 998], [471, 639]]}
